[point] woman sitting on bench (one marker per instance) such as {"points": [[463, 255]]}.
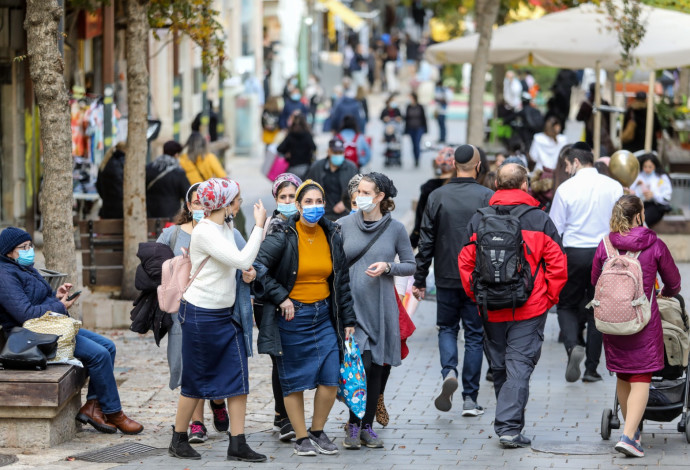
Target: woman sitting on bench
{"points": [[24, 295]]}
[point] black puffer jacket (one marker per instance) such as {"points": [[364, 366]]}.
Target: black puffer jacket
{"points": [[444, 227], [276, 267], [146, 315]]}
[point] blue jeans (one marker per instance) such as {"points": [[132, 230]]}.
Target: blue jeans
{"points": [[98, 356], [453, 306], [416, 136], [441, 118]]}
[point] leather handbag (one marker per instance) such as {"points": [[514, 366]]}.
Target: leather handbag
{"points": [[25, 349]]}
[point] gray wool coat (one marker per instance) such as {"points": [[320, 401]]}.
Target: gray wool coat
{"points": [[378, 329]]}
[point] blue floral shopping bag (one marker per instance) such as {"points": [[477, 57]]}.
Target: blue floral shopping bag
{"points": [[352, 389]]}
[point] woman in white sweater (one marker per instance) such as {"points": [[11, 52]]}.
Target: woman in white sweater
{"points": [[215, 315]]}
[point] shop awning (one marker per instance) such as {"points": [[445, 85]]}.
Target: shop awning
{"points": [[348, 16]]}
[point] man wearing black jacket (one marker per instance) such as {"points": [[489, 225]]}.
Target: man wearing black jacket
{"points": [[166, 183], [444, 226]]}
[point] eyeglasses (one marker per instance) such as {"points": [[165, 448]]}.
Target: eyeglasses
{"points": [[25, 246]]}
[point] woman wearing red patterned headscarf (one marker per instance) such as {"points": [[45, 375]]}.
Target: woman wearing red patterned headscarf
{"points": [[216, 318]]}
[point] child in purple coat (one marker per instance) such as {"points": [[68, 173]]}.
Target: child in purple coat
{"points": [[635, 357]]}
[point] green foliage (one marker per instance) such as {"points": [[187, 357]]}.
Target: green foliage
{"points": [[194, 18], [679, 5], [626, 19]]}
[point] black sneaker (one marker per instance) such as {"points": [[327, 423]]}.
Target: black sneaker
{"points": [[287, 433], [197, 433], [575, 358], [305, 448], [276, 422], [221, 421], [591, 376], [322, 443], [513, 442]]}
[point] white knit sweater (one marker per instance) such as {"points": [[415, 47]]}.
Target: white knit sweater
{"points": [[215, 286]]}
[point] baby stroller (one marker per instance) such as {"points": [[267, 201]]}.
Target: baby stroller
{"points": [[392, 136], [670, 387]]}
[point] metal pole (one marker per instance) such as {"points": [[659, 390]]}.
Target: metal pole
{"points": [[650, 114], [108, 74], [597, 114], [177, 89]]}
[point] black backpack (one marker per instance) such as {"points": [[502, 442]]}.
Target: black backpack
{"points": [[502, 277]]}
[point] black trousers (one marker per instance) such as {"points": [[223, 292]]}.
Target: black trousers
{"points": [[377, 376], [654, 212], [275, 380], [572, 314]]}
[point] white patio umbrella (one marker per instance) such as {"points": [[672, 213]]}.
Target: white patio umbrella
{"points": [[578, 38]]}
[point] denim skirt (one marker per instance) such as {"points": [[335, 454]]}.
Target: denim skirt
{"points": [[310, 349], [214, 358]]}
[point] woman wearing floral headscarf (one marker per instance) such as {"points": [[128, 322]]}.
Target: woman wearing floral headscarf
{"points": [[372, 268], [215, 314], [445, 165]]}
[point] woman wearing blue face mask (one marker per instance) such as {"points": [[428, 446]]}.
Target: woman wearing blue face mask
{"points": [[303, 281], [284, 189], [178, 237], [25, 295]]}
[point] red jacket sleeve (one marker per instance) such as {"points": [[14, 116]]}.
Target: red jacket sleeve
{"points": [[555, 268], [467, 260]]}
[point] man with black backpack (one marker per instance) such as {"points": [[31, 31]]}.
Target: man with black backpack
{"points": [[514, 266], [443, 227]]}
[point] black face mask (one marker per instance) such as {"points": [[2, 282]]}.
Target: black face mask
{"points": [[228, 217]]}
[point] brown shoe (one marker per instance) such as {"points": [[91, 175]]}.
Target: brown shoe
{"points": [[123, 423], [92, 414], [381, 413]]}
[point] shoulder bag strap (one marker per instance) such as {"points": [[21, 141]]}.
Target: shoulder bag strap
{"points": [[371, 243], [196, 273], [198, 169], [161, 175]]}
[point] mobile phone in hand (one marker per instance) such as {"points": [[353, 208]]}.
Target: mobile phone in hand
{"points": [[74, 296]]}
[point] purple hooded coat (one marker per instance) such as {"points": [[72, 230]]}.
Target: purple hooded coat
{"points": [[642, 352]]}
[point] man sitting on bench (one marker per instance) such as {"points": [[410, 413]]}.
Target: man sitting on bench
{"points": [[24, 295]]}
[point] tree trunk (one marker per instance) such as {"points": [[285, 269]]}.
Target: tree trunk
{"points": [[134, 192], [46, 69], [683, 86], [486, 13]]}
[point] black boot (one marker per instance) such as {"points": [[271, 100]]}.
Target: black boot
{"points": [[180, 448], [239, 450]]}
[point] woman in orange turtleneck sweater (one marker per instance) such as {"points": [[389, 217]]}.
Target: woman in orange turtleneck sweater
{"points": [[303, 278]]}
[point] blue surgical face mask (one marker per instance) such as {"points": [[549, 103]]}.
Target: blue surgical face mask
{"points": [[287, 209], [353, 211], [337, 159], [197, 215], [26, 257], [295, 96], [313, 214]]}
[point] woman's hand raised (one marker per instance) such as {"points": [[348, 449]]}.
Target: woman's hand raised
{"points": [[260, 214]]}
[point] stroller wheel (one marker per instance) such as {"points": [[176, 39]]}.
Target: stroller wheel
{"points": [[606, 424]]}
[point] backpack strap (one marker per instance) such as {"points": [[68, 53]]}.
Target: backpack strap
{"points": [[522, 209], [195, 274], [611, 251]]}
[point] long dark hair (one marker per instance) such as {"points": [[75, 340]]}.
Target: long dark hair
{"points": [[184, 216], [658, 169], [349, 122], [299, 123]]}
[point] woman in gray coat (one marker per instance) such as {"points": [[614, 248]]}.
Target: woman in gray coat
{"points": [[372, 271]]}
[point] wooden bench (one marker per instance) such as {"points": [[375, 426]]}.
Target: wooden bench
{"points": [[101, 242], [37, 408]]}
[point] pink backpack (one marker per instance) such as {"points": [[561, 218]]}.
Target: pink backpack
{"points": [[620, 304], [175, 281]]}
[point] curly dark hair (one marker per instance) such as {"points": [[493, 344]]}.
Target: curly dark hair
{"points": [[184, 216]]}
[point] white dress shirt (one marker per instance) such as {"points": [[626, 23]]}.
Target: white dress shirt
{"points": [[581, 209], [544, 150], [660, 186]]}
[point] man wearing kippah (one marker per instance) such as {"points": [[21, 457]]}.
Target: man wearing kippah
{"points": [[581, 210], [444, 226]]}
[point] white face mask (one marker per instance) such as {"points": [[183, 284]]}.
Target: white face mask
{"points": [[365, 203]]}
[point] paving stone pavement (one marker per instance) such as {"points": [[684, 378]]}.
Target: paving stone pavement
{"points": [[564, 417]]}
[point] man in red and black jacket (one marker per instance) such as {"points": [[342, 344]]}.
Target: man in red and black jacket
{"points": [[513, 339]]}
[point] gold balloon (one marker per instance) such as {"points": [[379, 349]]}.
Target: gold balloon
{"points": [[624, 167]]}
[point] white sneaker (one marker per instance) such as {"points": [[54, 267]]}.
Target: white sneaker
{"points": [[470, 408]]}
